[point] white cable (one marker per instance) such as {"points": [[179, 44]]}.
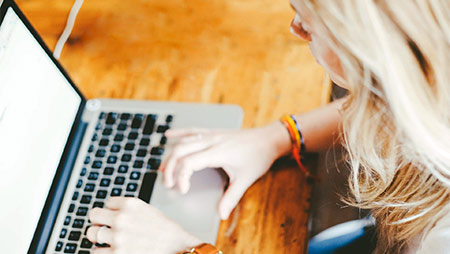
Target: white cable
{"points": [[68, 29]]}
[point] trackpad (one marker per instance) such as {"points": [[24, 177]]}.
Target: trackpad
{"points": [[196, 211]]}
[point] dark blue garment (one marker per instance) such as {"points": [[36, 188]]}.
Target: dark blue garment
{"points": [[357, 236]]}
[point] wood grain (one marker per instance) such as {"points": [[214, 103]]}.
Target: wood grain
{"points": [[210, 51]]}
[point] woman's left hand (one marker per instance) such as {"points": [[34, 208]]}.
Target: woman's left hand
{"points": [[133, 226]]}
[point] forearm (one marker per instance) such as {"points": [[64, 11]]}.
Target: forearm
{"points": [[320, 129]]}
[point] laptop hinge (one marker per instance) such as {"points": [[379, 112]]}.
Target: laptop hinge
{"points": [[51, 209]]}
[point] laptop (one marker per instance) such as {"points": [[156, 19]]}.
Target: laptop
{"points": [[61, 155]]}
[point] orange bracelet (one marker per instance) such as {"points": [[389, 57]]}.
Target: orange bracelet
{"points": [[296, 140]]}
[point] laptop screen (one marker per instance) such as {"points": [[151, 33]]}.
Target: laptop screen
{"points": [[38, 107]]}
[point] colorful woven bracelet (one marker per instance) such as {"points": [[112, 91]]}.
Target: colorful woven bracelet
{"points": [[296, 139], [302, 140]]}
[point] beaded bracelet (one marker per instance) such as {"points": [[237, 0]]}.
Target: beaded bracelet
{"points": [[298, 144]]}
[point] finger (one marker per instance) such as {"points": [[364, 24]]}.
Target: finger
{"points": [[191, 163], [176, 133], [101, 216], [102, 250], [230, 198], [100, 234], [116, 203], [179, 151]]}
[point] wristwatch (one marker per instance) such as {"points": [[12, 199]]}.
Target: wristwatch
{"points": [[204, 248]]}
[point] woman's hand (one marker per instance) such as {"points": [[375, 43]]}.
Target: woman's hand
{"points": [[133, 226], [244, 155]]}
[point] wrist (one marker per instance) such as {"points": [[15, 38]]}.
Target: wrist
{"points": [[279, 138], [187, 241]]}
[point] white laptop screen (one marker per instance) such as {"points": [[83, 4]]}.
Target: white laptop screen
{"points": [[38, 107]]}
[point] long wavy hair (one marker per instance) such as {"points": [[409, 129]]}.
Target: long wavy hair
{"points": [[395, 56]]}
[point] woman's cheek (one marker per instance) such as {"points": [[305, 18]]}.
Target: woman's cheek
{"points": [[329, 60]]}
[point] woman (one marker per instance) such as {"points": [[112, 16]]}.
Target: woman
{"points": [[393, 56]]}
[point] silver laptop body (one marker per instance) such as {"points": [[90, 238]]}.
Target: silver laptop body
{"points": [[87, 168]]}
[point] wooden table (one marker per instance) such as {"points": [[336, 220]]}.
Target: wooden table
{"points": [[211, 51]]}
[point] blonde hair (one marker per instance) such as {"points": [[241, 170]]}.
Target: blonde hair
{"points": [[395, 55]]}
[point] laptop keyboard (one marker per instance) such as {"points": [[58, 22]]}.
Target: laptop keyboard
{"points": [[122, 160]]}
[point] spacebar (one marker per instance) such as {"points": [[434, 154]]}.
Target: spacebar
{"points": [[147, 186]]}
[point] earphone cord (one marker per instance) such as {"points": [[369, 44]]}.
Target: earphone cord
{"points": [[68, 29]]}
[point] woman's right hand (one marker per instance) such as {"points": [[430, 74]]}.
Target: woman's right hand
{"points": [[244, 155]]}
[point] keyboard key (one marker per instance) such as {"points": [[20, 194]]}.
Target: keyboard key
{"points": [[86, 199], [101, 194], [107, 132], [101, 245], [85, 243], [153, 163], [71, 208], [137, 121], [115, 148], [89, 187], [138, 164], [116, 192], [126, 157], [157, 151], [100, 153], [87, 160], [145, 142], [98, 126], [149, 124], [70, 248], [145, 192], [59, 246], [131, 187], [79, 183], [105, 182], [111, 118], [125, 116], [108, 171], [95, 137], [63, 233], [74, 235], [67, 220], [78, 223], [123, 169], [97, 164], [93, 176], [133, 135], [103, 142], [135, 175], [122, 127], [129, 146], [169, 118], [118, 137], [75, 195], [101, 115], [162, 128], [119, 180], [82, 211], [163, 140], [83, 172], [129, 195], [83, 252], [91, 148], [98, 204], [141, 153], [112, 159]]}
